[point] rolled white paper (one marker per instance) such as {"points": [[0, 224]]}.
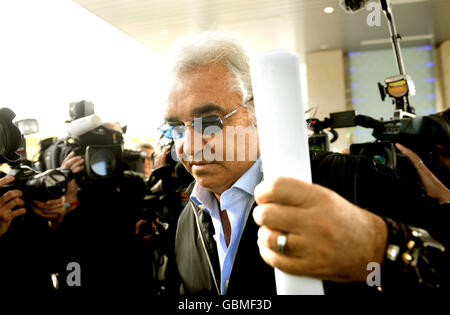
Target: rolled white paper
{"points": [[282, 136], [84, 124]]}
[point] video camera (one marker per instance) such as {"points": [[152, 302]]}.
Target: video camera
{"points": [[101, 147], [422, 134], [48, 185]]}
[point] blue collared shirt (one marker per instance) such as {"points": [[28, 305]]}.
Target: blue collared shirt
{"points": [[237, 201]]}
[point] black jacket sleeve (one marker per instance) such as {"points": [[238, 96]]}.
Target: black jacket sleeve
{"points": [[403, 206]]}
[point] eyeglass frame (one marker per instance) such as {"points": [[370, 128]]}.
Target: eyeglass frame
{"points": [[192, 123]]}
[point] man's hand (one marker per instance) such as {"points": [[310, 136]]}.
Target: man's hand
{"points": [[53, 210], [8, 201], [432, 185], [138, 230], [327, 237], [73, 162], [160, 159], [76, 165]]}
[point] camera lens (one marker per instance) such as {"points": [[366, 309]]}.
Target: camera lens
{"points": [[103, 162]]}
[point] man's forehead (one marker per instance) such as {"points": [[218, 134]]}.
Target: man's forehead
{"points": [[203, 78], [198, 91], [186, 110]]}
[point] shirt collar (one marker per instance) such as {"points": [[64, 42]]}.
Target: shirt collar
{"points": [[247, 182]]}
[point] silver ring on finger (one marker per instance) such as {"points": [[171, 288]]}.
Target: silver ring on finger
{"points": [[281, 242]]}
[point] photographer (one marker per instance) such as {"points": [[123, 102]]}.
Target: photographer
{"points": [[162, 208], [31, 208], [28, 248], [98, 230], [148, 160]]}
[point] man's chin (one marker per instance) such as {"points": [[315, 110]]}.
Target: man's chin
{"points": [[207, 176]]}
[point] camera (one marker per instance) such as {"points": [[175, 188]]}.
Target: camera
{"points": [[319, 141], [48, 185], [421, 134], [428, 136], [51, 184], [101, 148]]}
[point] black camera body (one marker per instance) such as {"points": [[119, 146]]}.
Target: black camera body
{"points": [[421, 134], [101, 148], [48, 185], [319, 141]]}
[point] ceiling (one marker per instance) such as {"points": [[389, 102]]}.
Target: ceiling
{"points": [[299, 25]]}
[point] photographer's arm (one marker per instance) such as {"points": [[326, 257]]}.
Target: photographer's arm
{"points": [[76, 165], [8, 201]]}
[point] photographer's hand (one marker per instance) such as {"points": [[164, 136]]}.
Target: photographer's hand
{"points": [[8, 201], [327, 237], [432, 185], [160, 159], [76, 165], [73, 162], [53, 210], [138, 230]]}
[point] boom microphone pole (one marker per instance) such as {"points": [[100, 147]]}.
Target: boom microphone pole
{"points": [[395, 37], [399, 86]]}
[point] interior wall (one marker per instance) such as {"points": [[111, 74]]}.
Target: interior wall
{"points": [[326, 89], [444, 52], [366, 68]]}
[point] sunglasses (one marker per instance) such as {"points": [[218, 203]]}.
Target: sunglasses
{"points": [[206, 125]]}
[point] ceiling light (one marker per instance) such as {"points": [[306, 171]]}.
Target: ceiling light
{"points": [[164, 32], [328, 10]]}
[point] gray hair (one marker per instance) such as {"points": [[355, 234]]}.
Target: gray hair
{"points": [[212, 47]]}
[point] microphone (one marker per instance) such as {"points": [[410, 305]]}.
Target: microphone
{"points": [[352, 6]]}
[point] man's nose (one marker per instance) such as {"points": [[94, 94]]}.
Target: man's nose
{"points": [[192, 142]]}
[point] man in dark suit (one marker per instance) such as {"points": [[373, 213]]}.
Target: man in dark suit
{"points": [[210, 116]]}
